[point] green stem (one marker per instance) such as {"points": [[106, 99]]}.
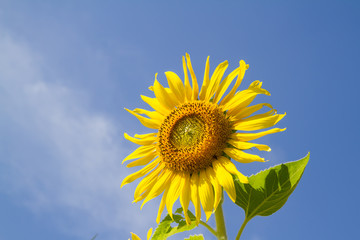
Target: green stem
{"points": [[241, 229], [208, 228], [220, 222]]}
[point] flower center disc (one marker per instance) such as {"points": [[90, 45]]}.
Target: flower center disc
{"points": [[192, 136], [187, 132]]}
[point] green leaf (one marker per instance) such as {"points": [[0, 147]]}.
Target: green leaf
{"points": [[195, 237], [165, 230], [269, 190]]}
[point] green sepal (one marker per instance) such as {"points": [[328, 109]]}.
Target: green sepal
{"points": [[269, 190], [165, 230], [195, 237]]}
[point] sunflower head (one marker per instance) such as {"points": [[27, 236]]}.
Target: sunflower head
{"points": [[195, 136], [192, 136]]}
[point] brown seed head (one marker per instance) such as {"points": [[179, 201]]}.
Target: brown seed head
{"points": [[192, 136]]}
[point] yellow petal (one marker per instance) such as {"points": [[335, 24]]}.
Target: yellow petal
{"points": [[155, 104], [225, 84], [225, 179], [194, 183], [185, 197], [271, 112], [247, 145], [174, 192], [258, 124], [252, 136], [135, 237], [243, 67], [241, 156], [143, 141], [188, 90], [195, 87], [206, 80], [140, 173], [238, 114], [146, 135], [162, 183], [149, 233], [206, 194], [244, 98], [164, 98], [144, 194], [147, 122], [231, 168], [151, 114], [215, 80], [140, 152], [146, 184], [217, 187], [172, 96], [143, 161], [162, 206], [176, 86]]}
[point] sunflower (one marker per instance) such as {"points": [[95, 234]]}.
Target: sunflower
{"points": [[188, 155]]}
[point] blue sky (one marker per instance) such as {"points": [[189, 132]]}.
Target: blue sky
{"points": [[68, 69]]}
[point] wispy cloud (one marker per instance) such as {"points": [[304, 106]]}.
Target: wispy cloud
{"points": [[61, 156]]}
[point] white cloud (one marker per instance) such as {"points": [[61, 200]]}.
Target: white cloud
{"points": [[62, 156]]}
